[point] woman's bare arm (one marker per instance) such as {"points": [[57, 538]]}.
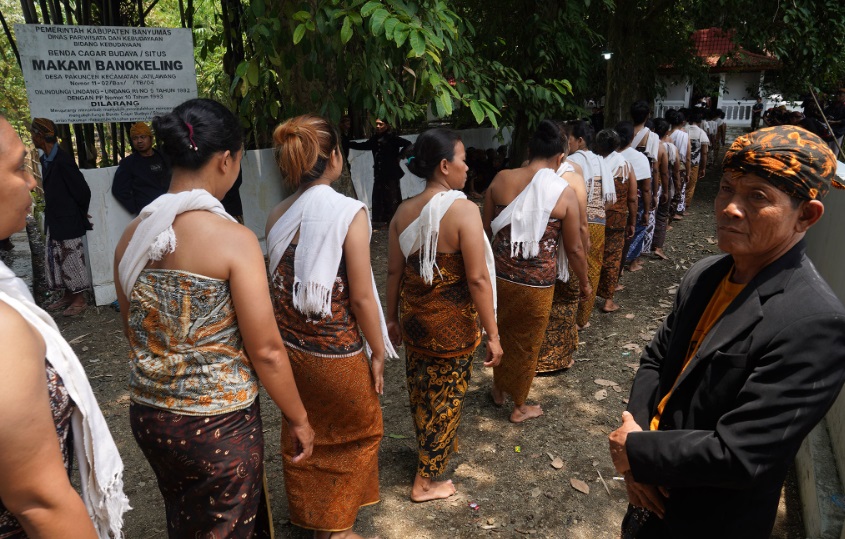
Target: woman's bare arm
{"points": [[362, 300], [471, 240], [395, 267], [263, 343], [568, 205], [34, 484]]}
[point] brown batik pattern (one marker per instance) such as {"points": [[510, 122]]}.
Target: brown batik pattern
{"points": [[595, 257], [794, 160], [440, 331], [62, 408], [337, 334], [209, 470], [436, 387], [538, 271], [614, 242], [561, 338], [438, 318], [65, 264], [523, 317], [341, 475]]}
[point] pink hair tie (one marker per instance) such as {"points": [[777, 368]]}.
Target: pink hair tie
{"points": [[191, 136]]}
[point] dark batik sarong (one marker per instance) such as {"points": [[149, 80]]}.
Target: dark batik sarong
{"points": [[561, 338], [635, 248], [65, 265], [209, 469], [440, 331]]}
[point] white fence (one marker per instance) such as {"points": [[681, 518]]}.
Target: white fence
{"points": [[737, 111]]}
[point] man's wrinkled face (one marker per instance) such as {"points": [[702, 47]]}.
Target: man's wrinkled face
{"points": [[753, 217]]}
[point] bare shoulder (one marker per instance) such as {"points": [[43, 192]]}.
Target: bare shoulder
{"points": [[128, 232], [20, 338]]}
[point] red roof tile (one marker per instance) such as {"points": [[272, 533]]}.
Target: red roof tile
{"points": [[714, 44]]}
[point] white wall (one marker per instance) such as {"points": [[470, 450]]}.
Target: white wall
{"points": [[262, 189], [737, 85]]}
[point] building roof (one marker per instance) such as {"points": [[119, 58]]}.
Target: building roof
{"points": [[717, 49]]}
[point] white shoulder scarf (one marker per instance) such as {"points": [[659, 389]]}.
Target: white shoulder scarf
{"points": [[680, 139], [155, 237], [528, 215], [618, 166], [638, 161], [322, 217], [594, 167], [422, 235], [100, 467]]}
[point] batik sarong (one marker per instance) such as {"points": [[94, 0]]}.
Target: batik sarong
{"points": [[326, 491], [561, 338], [691, 183], [635, 246], [595, 257], [679, 199], [614, 241], [652, 223], [209, 469], [440, 331], [523, 317], [65, 265], [335, 383], [661, 221]]}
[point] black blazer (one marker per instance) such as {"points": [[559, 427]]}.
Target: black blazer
{"points": [[66, 199], [763, 377]]}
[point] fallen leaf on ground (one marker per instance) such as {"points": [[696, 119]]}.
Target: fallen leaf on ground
{"points": [[603, 382], [601, 394], [645, 336], [397, 436], [617, 389], [629, 316], [76, 340], [631, 346], [633, 365], [580, 486], [535, 492], [711, 241], [557, 463]]}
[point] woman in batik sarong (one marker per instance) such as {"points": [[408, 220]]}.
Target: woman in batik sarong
{"points": [[681, 140], [49, 411], [196, 308], [642, 172], [561, 339], [600, 193], [439, 286], [326, 304], [670, 169], [534, 220], [620, 216]]}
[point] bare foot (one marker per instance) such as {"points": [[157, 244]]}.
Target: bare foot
{"points": [[678, 217], [345, 534], [582, 328], [658, 252], [636, 265], [669, 227], [619, 287], [497, 395], [609, 306], [525, 412], [425, 490]]}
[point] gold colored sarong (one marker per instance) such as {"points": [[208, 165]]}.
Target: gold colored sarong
{"points": [[561, 338], [523, 317], [326, 490], [595, 257]]}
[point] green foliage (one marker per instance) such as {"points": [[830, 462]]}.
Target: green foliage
{"points": [[15, 104]]}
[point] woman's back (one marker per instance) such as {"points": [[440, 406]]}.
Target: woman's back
{"points": [[451, 224]]}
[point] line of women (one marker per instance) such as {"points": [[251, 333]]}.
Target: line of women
{"points": [[205, 327]]}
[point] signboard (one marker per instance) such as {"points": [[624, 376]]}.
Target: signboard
{"points": [[85, 74]]}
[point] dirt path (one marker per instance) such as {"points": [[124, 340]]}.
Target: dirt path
{"points": [[503, 468]]}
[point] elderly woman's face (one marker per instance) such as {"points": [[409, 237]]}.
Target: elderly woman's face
{"points": [[753, 217], [15, 181]]}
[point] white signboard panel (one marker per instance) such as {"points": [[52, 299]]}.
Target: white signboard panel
{"points": [[83, 74]]}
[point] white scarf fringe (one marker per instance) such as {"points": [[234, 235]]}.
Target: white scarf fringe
{"points": [[322, 217]]}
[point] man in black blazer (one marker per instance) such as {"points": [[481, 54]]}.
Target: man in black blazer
{"points": [[66, 200], [749, 360]]}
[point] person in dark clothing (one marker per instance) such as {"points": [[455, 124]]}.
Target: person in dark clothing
{"points": [[143, 176], [232, 199], [66, 200], [756, 114], [387, 148], [836, 118]]}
